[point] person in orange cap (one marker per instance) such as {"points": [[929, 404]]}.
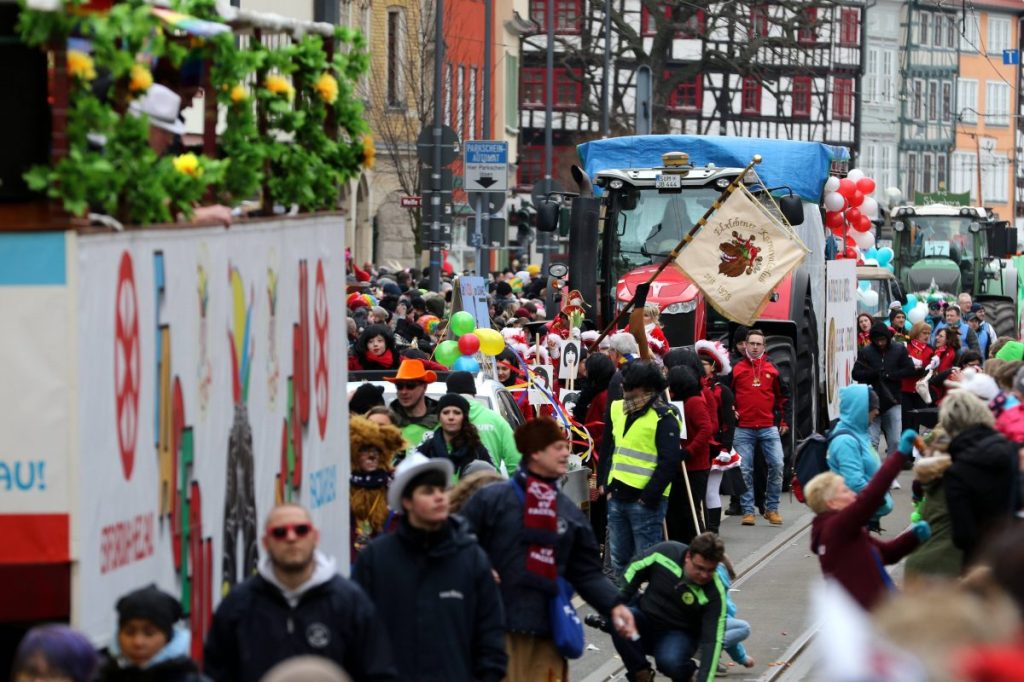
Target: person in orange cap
{"points": [[417, 414]]}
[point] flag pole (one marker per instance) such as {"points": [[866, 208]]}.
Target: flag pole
{"points": [[687, 238]]}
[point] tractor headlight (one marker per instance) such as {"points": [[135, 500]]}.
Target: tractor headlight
{"points": [[682, 307], [615, 184]]}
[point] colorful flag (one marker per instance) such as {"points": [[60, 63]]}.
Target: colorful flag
{"points": [[740, 256]]}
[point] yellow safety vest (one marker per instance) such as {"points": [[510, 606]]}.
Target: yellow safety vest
{"points": [[635, 455]]}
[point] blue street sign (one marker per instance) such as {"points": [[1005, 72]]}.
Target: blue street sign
{"points": [[1011, 57]]}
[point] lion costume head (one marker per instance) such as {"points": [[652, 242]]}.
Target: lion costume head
{"points": [[362, 433]]}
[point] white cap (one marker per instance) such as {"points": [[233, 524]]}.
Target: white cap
{"points": [[162, 105], [411, 467]]}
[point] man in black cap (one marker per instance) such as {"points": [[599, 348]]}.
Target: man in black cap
{"points": [[364, 398], [883, 365]]}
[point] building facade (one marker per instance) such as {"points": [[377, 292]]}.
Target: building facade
{"points": [[881, 96]]}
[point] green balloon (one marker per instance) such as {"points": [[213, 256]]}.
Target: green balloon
{"points": [[462, 323], [447, 352]]}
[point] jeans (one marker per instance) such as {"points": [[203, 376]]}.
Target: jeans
{"points": [[672, 649], [891, 421], [745, 441], [736, 631], [632, 528]]}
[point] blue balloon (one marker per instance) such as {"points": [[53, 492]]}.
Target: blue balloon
{"points": [[864, 286], [885, 256], [466, 363], [911, 301], [889, 267], [871, 253]]}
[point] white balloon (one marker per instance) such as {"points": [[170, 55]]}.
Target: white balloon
{"points": [[917, 314], [871, 261], [834, 201], [832, 184], [864, 240], [870, 299], [869, 207], [855, 174]]}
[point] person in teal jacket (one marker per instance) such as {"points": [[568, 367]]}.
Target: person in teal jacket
{"points": [[849, 448], [495, 432], [736, 630]]}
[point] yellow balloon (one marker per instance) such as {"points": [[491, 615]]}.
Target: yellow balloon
{"points": [[491, 341]]}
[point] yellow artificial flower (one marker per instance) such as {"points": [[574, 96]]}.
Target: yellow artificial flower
{"points": [[188, 164], [369, 152], [141, 78], [327, 87], [238, 94], [279, 85], [80, 65]]}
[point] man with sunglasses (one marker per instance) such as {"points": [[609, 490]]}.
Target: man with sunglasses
{"points": [[296, 605], [417, 414]]}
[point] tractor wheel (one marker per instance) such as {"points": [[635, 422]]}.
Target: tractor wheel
{"points": [[805, 384], [1002, 315], [782, 353]]}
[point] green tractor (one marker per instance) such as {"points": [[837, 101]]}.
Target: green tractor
{"points": [[955, 249]]}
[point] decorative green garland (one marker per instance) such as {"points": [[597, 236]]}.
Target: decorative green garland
{"points": [[126, 178]]}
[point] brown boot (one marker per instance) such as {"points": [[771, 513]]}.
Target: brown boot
{"points": [[774, 517], [642, 676], [748, 520]]}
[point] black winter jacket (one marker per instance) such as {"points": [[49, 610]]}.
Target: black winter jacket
{"points": [[175, 670], [254, 629], [673, 602], [496, 515], [438, 599], [433, 446], [981, 486], [884, 373]]}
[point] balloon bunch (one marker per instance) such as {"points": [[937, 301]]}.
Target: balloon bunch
{"points": [[849, 210], [460, 354], [867, 297]]}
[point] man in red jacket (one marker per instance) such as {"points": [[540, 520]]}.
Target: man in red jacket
{"points": [[762, 398], [847, 552]]}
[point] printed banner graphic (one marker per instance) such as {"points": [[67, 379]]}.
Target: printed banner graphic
{"points": [[740, 256], [210, 379], [840, 329]]}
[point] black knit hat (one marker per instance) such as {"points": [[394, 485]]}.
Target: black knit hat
{"points": [[739, 335], [461, 382], [149, 603], [453, 400], [366, 397]]}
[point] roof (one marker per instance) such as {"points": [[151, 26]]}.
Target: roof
{"points": [[802, 166]]}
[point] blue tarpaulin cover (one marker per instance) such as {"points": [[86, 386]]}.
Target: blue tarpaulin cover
{"points": [[802, 166]]}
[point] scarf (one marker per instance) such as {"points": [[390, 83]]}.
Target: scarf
{"points": [[540, 529], [371, 480], [637, 405], [385, 359]]}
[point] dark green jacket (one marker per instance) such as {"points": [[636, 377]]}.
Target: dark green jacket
{"points": [[672, 602]]}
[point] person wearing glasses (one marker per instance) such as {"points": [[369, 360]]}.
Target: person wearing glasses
{"points": [[417, 414], [296, 605], [683, 609]]}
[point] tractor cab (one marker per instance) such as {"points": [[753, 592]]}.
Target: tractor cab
{"points": [[944, 245]]}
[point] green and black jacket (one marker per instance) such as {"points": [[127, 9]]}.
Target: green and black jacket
{"points": [[672, 602]]}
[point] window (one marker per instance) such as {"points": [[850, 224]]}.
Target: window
{"points": [[967, 99], [889, 75], [871, 75], [998, 35], [938, 30], [808, 31], [568, 88], [511, 92], [472, 103], [969, 39], [947, 101], [395, 58], [940, 171], [688, 95], [918, 98], [911, 174], [933, 100], [448, 95], [962, 177], [849, 26], [842, 99], [801, 96], [693, 27], [567, 15], [460, 110], [868, 160], [751, 97], [887, 168], [531, 161], [952, 29], [926, 179], [997, 104], [995, 177], [758, 22], [924, 28]]}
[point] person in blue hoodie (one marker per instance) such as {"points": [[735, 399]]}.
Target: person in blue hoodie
{"points": [[850, 453], [149, 645], [736, 630]]}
